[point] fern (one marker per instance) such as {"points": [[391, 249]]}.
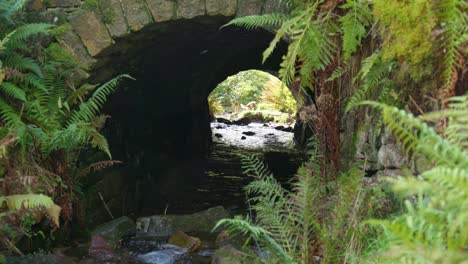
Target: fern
{"points": [[10, 7], [288, 223], [32, 201], [18, 37], [13, 91], [372, 76], [353, 25], [452, 19], [259, 21], [433, 227], [89, 109]]}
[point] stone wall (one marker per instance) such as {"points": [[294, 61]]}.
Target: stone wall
{"points": [[91, 30]]}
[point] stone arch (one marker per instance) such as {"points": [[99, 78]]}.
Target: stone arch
{"points": [[93, 32]]}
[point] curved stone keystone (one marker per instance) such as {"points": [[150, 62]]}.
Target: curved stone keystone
{"points": [[224, 8], [117, 25], [190, 8], [136, 13], [162, 10], [249, 7]]}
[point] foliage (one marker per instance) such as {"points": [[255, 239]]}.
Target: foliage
{"points": [[407, 25], [292, 225], [267, 91], [433, 227], [354, 25], [45, 123], [374, 81]]}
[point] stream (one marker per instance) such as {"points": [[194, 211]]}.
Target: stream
{"points": [[195, 185]]}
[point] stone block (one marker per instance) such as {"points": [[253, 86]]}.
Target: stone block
{"points": [[249, 7], [136, 13], [190, 8], [114, 17], [162, 10], [72, 43], [274, 6], [391, 157], [91, 29], [223, 8]]}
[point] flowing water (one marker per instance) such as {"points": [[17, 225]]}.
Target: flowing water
{"points": [[218, 179], [197, 184]]}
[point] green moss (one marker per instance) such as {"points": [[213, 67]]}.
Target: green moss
{"points": [[91, 5], [407, 27], [57, 53]]}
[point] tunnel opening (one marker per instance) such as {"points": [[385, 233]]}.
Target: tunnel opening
{"points": [[159, 124]]}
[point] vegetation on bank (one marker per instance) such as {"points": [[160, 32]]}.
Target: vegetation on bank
{"points": [[379, 58], [385, 51], [46, 124], [256, 94]]}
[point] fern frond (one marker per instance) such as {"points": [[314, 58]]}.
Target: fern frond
{"points": [[32, 201], [417, 137], [372, 76], [259, 21], [9, 115], [241, 226], [22, 33], [13, 91], [22, 64], [353, 25], [451, 15], [9, 8], [89, 109]]}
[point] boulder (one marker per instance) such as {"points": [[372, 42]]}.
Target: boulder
{"points": [[101, 250], [168, 254], [180, 239], [116, 229], [166, 225], [248, 133]]}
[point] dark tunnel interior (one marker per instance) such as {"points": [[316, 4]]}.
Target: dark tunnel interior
{"points": [[161, 120]]}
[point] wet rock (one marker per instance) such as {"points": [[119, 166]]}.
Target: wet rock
{"points": [[248, 133], [116, 229], [243, 138], [227, 255], [165, 254], [288, 129], [166, 225], [218, 135], [101, 250], [224, 120], [183, 240], [281, 128], [94, 40]]}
